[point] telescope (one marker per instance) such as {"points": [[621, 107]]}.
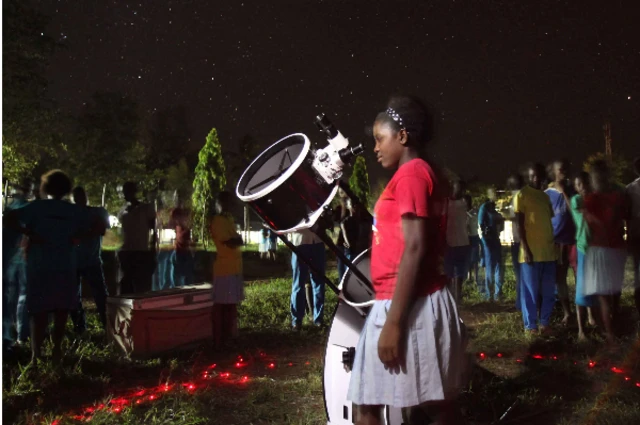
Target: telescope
{"points": [[290, 187]]}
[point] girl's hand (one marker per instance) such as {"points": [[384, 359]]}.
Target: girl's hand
{"points": [[390, 348]]}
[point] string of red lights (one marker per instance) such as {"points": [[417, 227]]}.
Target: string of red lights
{"points": [[210, 375]]}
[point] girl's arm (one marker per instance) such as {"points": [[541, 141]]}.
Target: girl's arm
{"points": [[390, 346], [234, 242]]}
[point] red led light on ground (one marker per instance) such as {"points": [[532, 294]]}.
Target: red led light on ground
{"points": [[616, 370], [307, 363], [538, 356], [271, 366], [189, 386], [140, 393], [626, 378], [554, 358], [138, 401], [638, 384], [244, 379], [290, 364], [152, 397], [519, 360], [225, 375], [262, 354], [592, 364], [116, 410], [482, 355], [499, 355], [213, 366]]}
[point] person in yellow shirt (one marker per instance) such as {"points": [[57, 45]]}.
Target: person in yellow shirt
{"points": [[537, 251], [228, 285]]}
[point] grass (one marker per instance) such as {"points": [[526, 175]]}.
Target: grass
{"points": [[563, 391]]}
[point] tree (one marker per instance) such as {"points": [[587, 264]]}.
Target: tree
{"points": [[620, 168], [359, 181], [377, 192], [29, 119], [179, 178], [106, 148], [166, 136], [210, 178], [248, 150]]}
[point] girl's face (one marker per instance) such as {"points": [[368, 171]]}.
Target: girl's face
{"points": [[390, 144], [579, 186]]}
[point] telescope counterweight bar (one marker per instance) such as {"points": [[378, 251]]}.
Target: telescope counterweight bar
{"points": [[309, 263]]}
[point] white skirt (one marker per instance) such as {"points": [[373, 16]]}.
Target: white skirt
{"points": [[604, 270], [436, 362], [228, 289]]}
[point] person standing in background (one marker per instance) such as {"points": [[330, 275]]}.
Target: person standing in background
{"points": [[14, 274], [181, 259], [491, 225], [633, 229], [514, 184], [458, 253], [54, 227], [537, 252], [137, 256], [584, 303], [349, 230], [474, 241], [560, 192], [228, 283], [605, 209], [90, 263], [311, 247]]}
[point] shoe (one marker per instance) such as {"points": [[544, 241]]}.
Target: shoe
{"points": [[296, 328]]}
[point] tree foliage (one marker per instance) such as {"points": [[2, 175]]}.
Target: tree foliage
{"points": [[166, 135], [210, 178], [179, 178], [106, 148], [29, 119], [359, 181], [620, 168], [377, 192]]}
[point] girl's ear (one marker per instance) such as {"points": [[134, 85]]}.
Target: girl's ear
{"points": [[404, 136]]}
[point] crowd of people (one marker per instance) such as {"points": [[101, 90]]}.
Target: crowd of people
{"points": [[53, 245], [559, 224]]}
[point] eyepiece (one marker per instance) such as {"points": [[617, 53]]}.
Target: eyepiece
{"points": [[326, 126], [347, 154]]}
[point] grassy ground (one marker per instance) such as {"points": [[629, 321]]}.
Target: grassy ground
{"points": [[279, 380]]}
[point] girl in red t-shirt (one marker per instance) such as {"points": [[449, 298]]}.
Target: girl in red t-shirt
{"points": [[411, 352], [605, 210]]}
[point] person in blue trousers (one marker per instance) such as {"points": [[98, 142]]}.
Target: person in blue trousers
{"points": [[89, 261], [537, 252], [182, 261], [491, 225], [310, 247], [14, 275]]}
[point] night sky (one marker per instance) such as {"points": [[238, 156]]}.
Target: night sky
{"points": [[511, 81]]}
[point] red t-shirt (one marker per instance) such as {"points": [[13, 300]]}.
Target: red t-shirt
{"points": [[180, 221], [608, 212], [413, 190]]}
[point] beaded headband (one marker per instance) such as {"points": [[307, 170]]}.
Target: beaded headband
{"points": [[395, 116]]}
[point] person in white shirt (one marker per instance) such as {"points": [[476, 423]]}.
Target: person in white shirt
{"points": [[633, 229], [137, 256], [311, 247], [458, 255]]}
